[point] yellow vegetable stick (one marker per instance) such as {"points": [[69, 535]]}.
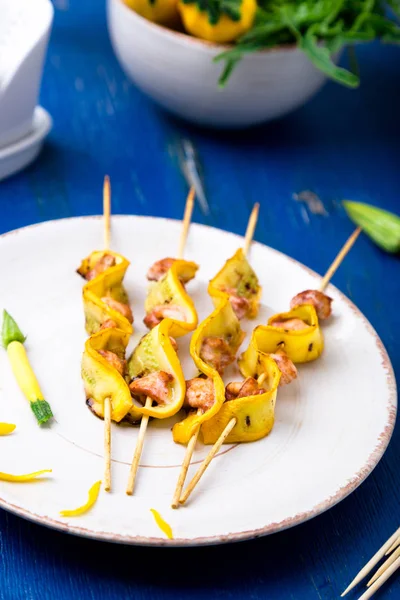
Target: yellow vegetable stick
{"points": [[92, 497], [163, 525], [6, 428], [13, 340], [22, 478], [23, 372]]}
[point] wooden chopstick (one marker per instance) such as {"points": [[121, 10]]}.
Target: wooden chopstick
{"points": [[389, 561], [381, 580], [371, 563], [393, 546]]}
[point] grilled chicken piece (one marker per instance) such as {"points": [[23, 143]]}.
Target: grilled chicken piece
{"points": [[114, 360], [199, 393], [286, 367], [160, 267], [290, 324], [104, 263], [241, 389], [155, 385], [240, 304], [162, 311], [120, 307], [320, 301], [216, 352], [109, 324]]}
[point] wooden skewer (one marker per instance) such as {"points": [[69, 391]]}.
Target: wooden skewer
{"points": [[251, 227], [107, 211], [176, 500], [192, 442], [107, 444], [379, 582], [332, 269], [393, 546], [339, 259], [214, 450], [138, 450], [187, 217], [107, 401], [261, 378], [185, 466], [389, 561], [207, 460], [371, 563]]}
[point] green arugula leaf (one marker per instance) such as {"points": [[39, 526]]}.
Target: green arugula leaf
{"points": [[230, 64], [321, 57], [320, 28], [395, 6]]}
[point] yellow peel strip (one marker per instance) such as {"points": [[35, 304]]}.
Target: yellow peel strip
{"points": [[6, 428], [21, 478], [92, 497], [163, 525]]}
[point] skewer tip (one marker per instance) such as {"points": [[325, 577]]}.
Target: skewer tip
{"points": [[187, 217], [251, 227], [106, 210], [352, 585], [339, 259], [106, 189], [374, 560], [393, 546]]}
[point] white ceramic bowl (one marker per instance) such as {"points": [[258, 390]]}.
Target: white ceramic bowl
{"points": [[178, 72]]}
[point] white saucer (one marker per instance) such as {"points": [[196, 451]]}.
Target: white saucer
{"points": [[18, 155]]}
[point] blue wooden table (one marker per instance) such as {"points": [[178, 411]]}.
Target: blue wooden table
{"points": [[343, 144]]}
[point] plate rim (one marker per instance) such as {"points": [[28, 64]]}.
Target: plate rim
{"points": [[343, 492]]}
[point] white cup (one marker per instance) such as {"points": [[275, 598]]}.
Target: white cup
{"points": [[24, 32]]}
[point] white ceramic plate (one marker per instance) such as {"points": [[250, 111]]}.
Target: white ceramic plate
{"points": [[332, 425]]}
